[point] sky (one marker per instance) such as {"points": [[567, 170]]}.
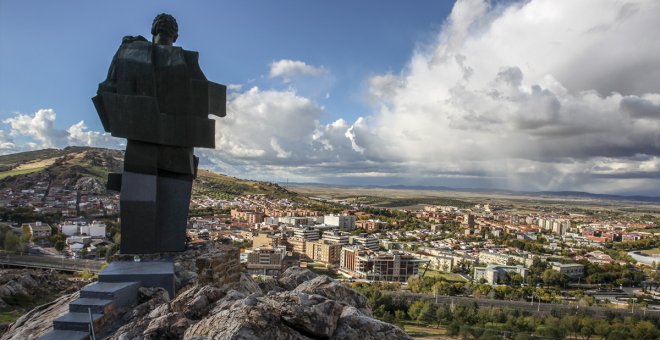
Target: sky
{"points": [[520, 95]]}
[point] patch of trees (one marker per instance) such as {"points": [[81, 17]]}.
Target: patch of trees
{"points": [[10, 242], [468, 320], [646, 243], [613, 274]]}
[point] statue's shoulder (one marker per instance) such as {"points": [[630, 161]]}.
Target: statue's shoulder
{"points": [[133, 38]]}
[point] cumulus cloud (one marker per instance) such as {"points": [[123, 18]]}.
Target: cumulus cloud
{"points": [[528, 94], [38, 131], [78, 134], [286, 69], [540, 95], [40, 126]]}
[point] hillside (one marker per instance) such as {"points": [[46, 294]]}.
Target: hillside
{"points": [[85, 168]]}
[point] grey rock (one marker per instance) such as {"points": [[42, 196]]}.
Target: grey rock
{"points": [[38, 321], [243, 322], [355, 325], [333, 290], [90, 185], [313, 315], [228, 301], [168, 326], [294, 276]]}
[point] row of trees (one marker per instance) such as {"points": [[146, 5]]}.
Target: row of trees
{"points": [[470, 321]]}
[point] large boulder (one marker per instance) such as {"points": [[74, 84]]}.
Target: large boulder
{"points": [[333, 290], [308, 314], [294, 276], [355, 325], [245, 320], [39, 321], [196, 302], [168, 326]]}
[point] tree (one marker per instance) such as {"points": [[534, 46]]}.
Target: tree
{"points": [[415, 309], [644, 330], [427, 313], [12, 242], [602, 328], [400, 315], [59, 245], [554, 278]]}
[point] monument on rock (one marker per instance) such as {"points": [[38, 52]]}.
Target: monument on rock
{"points": [[157, 97]]}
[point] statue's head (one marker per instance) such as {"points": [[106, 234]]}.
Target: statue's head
{"points": [[165, 29]]}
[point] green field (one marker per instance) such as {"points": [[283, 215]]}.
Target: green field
{"points": [[651, 251], [18, 172], [418, 331], [446, 276]]}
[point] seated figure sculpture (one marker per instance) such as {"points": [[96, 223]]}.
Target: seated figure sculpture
{"points": [[157, 97]]}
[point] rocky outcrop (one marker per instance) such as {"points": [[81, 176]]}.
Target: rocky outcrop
{"points": [[21, 286], [293, 276], [39, 320], [90, 185], [331, 289], [300, 305]]}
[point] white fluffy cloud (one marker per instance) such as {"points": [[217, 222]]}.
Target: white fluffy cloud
{"points": [[540, 95], [38, 131], [531, 95], [40, 126], [286, 69]]}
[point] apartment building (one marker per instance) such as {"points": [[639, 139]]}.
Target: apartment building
{"points": [[369, 241], [323, 251], [341, 221], [265, 261], [336, 236]]}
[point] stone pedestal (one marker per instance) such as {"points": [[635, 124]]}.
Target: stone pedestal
{"points": [[219, 267], [148, 274]]}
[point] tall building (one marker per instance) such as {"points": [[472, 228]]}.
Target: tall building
{"points": [[369, 241], [336, 236], [305, 233], [348, 257], [323, 251], [296, 244], [265, 261], [391, 266], [468, 220], [341, 221]]}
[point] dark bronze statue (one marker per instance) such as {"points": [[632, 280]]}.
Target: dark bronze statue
{"points": [[157, 97]]}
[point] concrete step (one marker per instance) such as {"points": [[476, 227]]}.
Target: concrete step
{"points": [[121, 293], [98, 306], [57, 334], [77, 322]]}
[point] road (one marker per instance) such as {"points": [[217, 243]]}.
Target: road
{"points": [[50, 262]]}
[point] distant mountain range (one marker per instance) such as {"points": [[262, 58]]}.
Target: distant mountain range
{"points": [[86, 169], [558, 194]]}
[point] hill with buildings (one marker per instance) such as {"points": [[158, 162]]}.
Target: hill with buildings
{"points": [[86, 169]]}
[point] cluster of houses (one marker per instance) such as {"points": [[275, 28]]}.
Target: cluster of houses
{"points": [[57, 200]]}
